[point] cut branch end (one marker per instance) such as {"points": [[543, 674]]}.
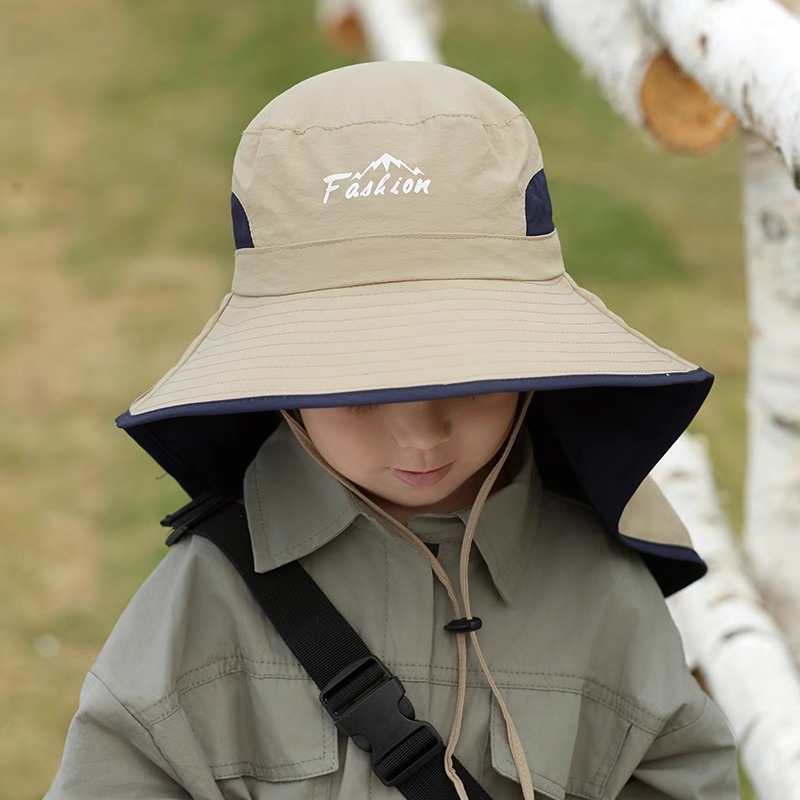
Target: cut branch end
{"points": [[680, 113], [345, 33]]}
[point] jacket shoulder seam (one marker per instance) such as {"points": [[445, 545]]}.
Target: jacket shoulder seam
{"points": [[135, 718]]}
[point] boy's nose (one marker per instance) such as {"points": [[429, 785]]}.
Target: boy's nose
{"points": [[421, 425]]}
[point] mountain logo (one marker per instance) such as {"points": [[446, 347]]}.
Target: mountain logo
{"points": [[393, 176]]}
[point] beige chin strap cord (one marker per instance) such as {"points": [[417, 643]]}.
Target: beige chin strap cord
{"points": [[520, 762], [407, 535]]}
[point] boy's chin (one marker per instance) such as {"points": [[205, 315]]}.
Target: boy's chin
{"points": [[436, 499]]}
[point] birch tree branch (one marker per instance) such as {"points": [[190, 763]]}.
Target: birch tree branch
{"points": [[390, 30], [611, 43], [742, 655], [616, 46], [745, 53]]}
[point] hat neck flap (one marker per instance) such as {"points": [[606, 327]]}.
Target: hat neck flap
{"points": [[594, 439]]}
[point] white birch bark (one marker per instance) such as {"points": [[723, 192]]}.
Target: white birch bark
{"points": [[741, 653], [395, 30], [772, 496], [746, 53]]}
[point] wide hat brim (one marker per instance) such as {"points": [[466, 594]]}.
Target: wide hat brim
{"points": [[384, 341], [609, 402]]}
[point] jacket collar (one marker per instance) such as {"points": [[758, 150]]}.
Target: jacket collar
{"points": [[314, 508]]}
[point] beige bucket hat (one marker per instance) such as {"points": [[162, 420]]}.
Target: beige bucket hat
{"points": [[395, 242]]}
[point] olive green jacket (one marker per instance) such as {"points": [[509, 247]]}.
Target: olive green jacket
{"points": [[195, 694]]}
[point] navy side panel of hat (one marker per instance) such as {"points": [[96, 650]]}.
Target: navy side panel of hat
{"points": [[538, 207], [242, 235]]}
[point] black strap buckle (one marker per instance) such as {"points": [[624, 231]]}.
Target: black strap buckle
{"points": [[370, 705], [204, 505]]}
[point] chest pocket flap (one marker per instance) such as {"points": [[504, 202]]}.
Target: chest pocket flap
{"points": [[259, 734], [571, 741]]}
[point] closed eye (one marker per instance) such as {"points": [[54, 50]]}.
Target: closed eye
{"points": [[367, 407]]}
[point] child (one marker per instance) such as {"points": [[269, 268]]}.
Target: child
{"points": [[403, 367]]}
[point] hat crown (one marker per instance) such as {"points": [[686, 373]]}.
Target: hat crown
{"points": [[384, 148], [406, 93]]}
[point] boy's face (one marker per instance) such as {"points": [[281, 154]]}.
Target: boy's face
{"points": [[431, 455]]}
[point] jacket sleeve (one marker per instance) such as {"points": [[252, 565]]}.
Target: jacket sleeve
{"points": [[109, 755], [692, 759]]}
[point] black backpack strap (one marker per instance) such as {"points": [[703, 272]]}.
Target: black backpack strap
{"points": [[366, 701]]}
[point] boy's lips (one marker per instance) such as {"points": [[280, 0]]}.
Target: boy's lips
{"points": [[422, 478]]}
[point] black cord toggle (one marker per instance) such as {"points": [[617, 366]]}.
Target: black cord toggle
{"points": [[464, 625]]}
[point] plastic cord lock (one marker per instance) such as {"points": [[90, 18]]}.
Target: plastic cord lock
{"points": [[464, 625]]}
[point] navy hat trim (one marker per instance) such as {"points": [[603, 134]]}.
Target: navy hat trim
{"points": [[407, 394]]}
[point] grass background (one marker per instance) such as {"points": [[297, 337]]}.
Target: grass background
{"points": [[116, 247]]}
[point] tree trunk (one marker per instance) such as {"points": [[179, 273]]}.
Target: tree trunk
{"points": [[772, 499], [743, 657]]}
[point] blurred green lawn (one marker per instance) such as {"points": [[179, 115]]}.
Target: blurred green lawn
{"points": [[116, 243]]}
